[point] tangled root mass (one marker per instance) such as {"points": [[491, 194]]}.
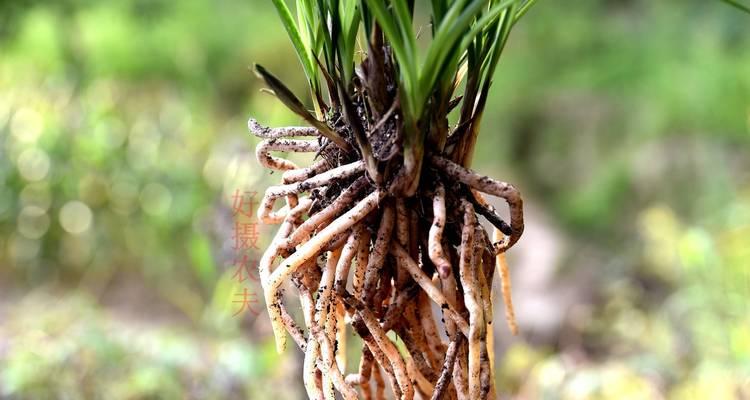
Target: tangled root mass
{"points": [[365, 259]]}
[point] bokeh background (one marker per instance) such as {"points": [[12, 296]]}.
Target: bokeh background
{"points": [[625, 123]]}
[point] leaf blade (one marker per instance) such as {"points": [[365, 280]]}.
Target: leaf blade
{"points": [[303, 53], [292, 102]]}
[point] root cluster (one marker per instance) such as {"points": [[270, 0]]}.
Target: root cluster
{"points": [[410, 276]]}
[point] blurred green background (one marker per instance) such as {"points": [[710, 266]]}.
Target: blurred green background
{"points": [[625, 123]]}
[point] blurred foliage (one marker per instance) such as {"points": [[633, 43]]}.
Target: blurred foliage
{"points": [[122, 135], [68, 349]]}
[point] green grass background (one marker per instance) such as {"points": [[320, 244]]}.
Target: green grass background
{"points": [[626, 124]]}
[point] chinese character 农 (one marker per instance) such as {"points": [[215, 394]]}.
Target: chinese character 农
{"points": [[244, 268]]}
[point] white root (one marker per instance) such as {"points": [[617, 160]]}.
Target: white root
{"points": [[294, 330], [435, 240], [422, 353], [491, 347], [481, 303], [327, 319], [365, 372], [325, 289], [427, 321], [309, 369], [265, 210], [310, 373], [402, 237], [275, 133], [390, 351], [378, 355], [313, 386], [265, 147], [263, 154], [278, 216], [505, 286], [471, 298], [347, 256], [264, 270], [324, 326], [377, 376], [443, 382], [312, 248], [460, 380], [490, 186], [340, 336], [448, 286], [377, 257], [424, 386], [319, 219], [301, 174], [363, 258], [330, 366], [425, 282], [393, 283], [485, 273], [338, 240]]}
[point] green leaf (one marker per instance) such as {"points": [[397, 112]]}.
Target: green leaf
{"points": [[404, 18], [525, 8], [350, 19], [444, 42], [506, 23], [329, 45], [366, 18], [456, 35], [405, 60], [738, 4], [299, 46], [439, 8]]}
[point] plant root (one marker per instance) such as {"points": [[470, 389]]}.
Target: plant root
{"points": [[364, 256]]}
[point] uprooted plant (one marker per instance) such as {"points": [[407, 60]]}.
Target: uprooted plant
{"points": [[390, 223]]}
